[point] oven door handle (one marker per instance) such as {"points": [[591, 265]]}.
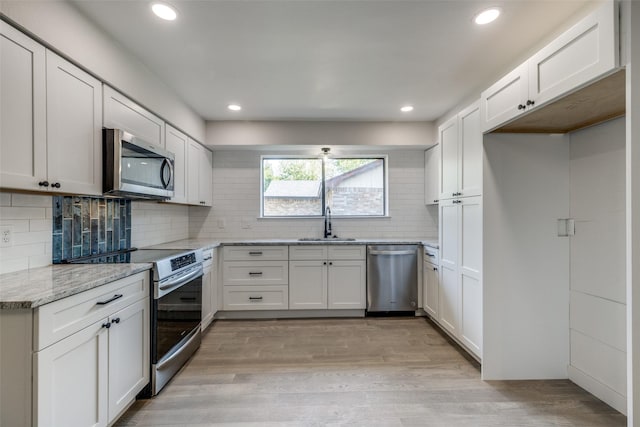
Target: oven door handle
{"points": [[192, 335], [182, 280]]}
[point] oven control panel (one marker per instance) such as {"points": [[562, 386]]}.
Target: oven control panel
{"points": [[183, 261]]}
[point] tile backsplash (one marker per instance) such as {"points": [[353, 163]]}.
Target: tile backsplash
{"points": [[89, 225]]}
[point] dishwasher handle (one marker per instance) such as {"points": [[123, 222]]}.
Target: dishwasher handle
{"points": [[392, 253]]}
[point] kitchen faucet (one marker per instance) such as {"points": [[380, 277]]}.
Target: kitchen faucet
{"points": [[327, 222]]}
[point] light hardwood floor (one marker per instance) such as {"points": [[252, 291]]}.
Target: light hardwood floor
{"points": [[353, 372]]}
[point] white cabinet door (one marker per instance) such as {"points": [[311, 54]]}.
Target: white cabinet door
{"points": [[470, 277], [431, 289], [448, 134], [586, 51], [207, 298], [71, 389], [23, 139], [215, 285], [129, 357], [308, 284], [122, 113], [346, 285], [74, 128], [194, 152], [432, 175], [205, 187], [448, 292], [178, 143], [470, 151], [505, 99]]}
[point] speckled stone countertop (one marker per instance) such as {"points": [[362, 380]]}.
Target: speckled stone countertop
{"points": [[35, 287], [208, 244]]}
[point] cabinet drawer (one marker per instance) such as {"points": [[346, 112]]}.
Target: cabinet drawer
{"points": [[255, 273], [246, 253], [208, 257], [64, 317], [347, 252], [307, 252], [431, 255], [256, 297]]}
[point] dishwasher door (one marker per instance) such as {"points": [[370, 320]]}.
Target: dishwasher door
{"points": [[392, 278]]}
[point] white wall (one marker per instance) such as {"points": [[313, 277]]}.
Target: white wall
{"points": [[236, 192], [31, 220], [235, 134], [631, 17], [63, 27], [526, 266], [598, 282]]}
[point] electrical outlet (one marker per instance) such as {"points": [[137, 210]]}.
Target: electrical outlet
{"points": [[6, 239]]}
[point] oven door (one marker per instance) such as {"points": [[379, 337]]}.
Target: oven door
{"points": [[175, 316]]}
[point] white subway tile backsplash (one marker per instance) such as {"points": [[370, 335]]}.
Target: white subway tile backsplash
{"points": [[236, 189], [155, 223]]}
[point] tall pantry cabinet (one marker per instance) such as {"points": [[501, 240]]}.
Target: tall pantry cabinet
{"points": [[460, 208]]}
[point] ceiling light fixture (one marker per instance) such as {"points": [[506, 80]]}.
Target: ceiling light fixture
{"points": [[407, 108], [234, 107], [164, 11], [487, 16]]}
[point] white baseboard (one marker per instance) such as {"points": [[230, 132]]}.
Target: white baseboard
{"points": [[598, 389]]}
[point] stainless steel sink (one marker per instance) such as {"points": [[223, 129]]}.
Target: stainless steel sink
{"points": [[328, 239]]}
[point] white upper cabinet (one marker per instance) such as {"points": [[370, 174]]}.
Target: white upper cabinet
{"points": [[122, 113], [448, 135], [461, 155], [74, 128], [23, 143], [178, 143], [432, 175], [199, 175], [583, 53]]}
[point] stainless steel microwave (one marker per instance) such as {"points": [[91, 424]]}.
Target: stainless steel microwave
{"points": [[134, 168]]}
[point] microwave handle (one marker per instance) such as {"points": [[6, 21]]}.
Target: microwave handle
{"points": [[166, 163]]}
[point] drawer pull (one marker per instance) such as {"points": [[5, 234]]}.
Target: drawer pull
{"points": [[258, 253], [255, 273], [113, 298], [187, 298], [429, 255], [255, 298]]}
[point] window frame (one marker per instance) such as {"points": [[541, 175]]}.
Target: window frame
{"points": [[322, 158]]}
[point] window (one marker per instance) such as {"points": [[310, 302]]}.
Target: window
{"points": [[305, 186]]}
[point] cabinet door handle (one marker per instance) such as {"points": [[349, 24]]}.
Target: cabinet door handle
{"points": [[435, 268], [521, 106], [106, 325], [43, 183], [324, 263], [330, 263], [113, 298], [55, 185], [255, 298], [255, 273], [255, 253], [116, 320], [530, 102], [187, 298], [435, 201]]}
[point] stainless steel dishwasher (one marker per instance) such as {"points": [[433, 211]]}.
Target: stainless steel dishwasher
{"points": [[392, 278]]}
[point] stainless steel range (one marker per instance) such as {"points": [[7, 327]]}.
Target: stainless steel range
{"points": [[176, 306], [176, 310]]}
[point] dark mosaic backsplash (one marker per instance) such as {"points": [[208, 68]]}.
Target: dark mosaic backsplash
{"points": [[89, 225]]}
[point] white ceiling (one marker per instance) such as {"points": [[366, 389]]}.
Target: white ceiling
{"points": [[329, 59]]}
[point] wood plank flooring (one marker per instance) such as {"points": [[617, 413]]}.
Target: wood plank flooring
{"points": [[353, 372]]}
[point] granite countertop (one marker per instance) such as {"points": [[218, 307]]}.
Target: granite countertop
{"points": [[208, 244], [35, 287]]}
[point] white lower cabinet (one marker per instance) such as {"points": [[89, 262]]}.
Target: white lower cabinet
{"points": [[90, 374], [209, 287], [72, 384], [460, 280], [335, 279], [431, 283]]}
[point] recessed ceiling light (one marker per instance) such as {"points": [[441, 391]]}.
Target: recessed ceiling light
{"points": [[406, 108], [487, 16], [234, 107], [164, 11]]}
